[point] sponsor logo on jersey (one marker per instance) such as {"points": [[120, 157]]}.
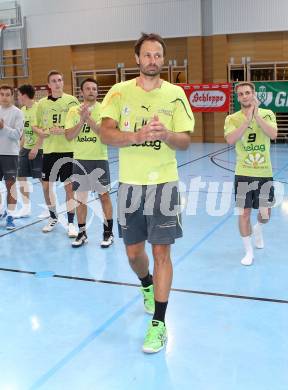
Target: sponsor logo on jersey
{"points": [[146, 108], [165, 112], [255, 148], [86, 139], [126, 110], [156, 145]]}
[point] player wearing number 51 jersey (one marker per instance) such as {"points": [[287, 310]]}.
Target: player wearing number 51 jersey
{"points": [[251, 130], [57, 150]]}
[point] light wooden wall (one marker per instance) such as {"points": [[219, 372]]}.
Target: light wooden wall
{"points": [[195, 75], [272, 46], [108, 55], [41, 61], [214, 70]]}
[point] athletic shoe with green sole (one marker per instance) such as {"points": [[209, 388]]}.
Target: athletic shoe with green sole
{"points": [[155, 338], [148, 295]]}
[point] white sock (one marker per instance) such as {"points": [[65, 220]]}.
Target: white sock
{"points": [[24, 211], [258, 236], [10, 213], [248, 258]]}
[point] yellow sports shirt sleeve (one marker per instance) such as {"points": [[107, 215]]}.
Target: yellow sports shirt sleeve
{"points": [[72, 118], [183, 118], [270, 118], [229, 125], [38, 116], [110, 107]]}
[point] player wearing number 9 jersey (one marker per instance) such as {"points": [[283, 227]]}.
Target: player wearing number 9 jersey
{"points": [[251, 130], [57, 150]]}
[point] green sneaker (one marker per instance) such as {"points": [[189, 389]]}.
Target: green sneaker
{"points": [[155, 338], [148, 295]]}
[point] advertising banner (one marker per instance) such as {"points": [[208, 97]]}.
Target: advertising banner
{"points": [[210, 97], [272, 95]]}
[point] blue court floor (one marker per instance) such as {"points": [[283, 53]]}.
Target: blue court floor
{"points": [[73, 319]]}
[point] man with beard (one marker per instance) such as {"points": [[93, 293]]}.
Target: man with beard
{"points": [[91, 161], [148, 119], [251, 130]]}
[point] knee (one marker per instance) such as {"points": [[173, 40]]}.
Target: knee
{"points": [[245, 216], [133, 255], [161, 256], [264, 215]]}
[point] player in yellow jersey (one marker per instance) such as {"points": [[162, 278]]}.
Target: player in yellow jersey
{"points": [[149, 118], [31, 153], [57, 150], [251, 130], [91, 168]]}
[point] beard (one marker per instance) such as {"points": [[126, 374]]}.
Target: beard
{"points": [[150, 71]]}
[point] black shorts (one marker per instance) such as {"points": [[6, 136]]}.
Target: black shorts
{"points": [[149, 212], [91, 175], [254, 192], [30, 168], [57, 166], [8, 167]]}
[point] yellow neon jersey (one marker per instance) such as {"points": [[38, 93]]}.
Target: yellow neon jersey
{"points": [[52, 113], [87, 145], [30, 137], [132, 107], [253, 149]]}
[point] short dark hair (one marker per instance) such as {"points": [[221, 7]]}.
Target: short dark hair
{"points": [[88, 80], [53, 73], [6, 86], [149, 37], [27, 89]]}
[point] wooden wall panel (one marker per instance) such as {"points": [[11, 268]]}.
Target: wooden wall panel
{"points": [[215, 58], [176, 49], [197, 135], [42, 60], [259, 47], [207, 50], [219, 58], [102, 56], [195, 75], [108, 55], [194, 57], [214, 70], [285, 44]]}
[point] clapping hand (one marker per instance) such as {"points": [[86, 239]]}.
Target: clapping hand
{"points": [[159, 131], [256, 105], [84, 112]]}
